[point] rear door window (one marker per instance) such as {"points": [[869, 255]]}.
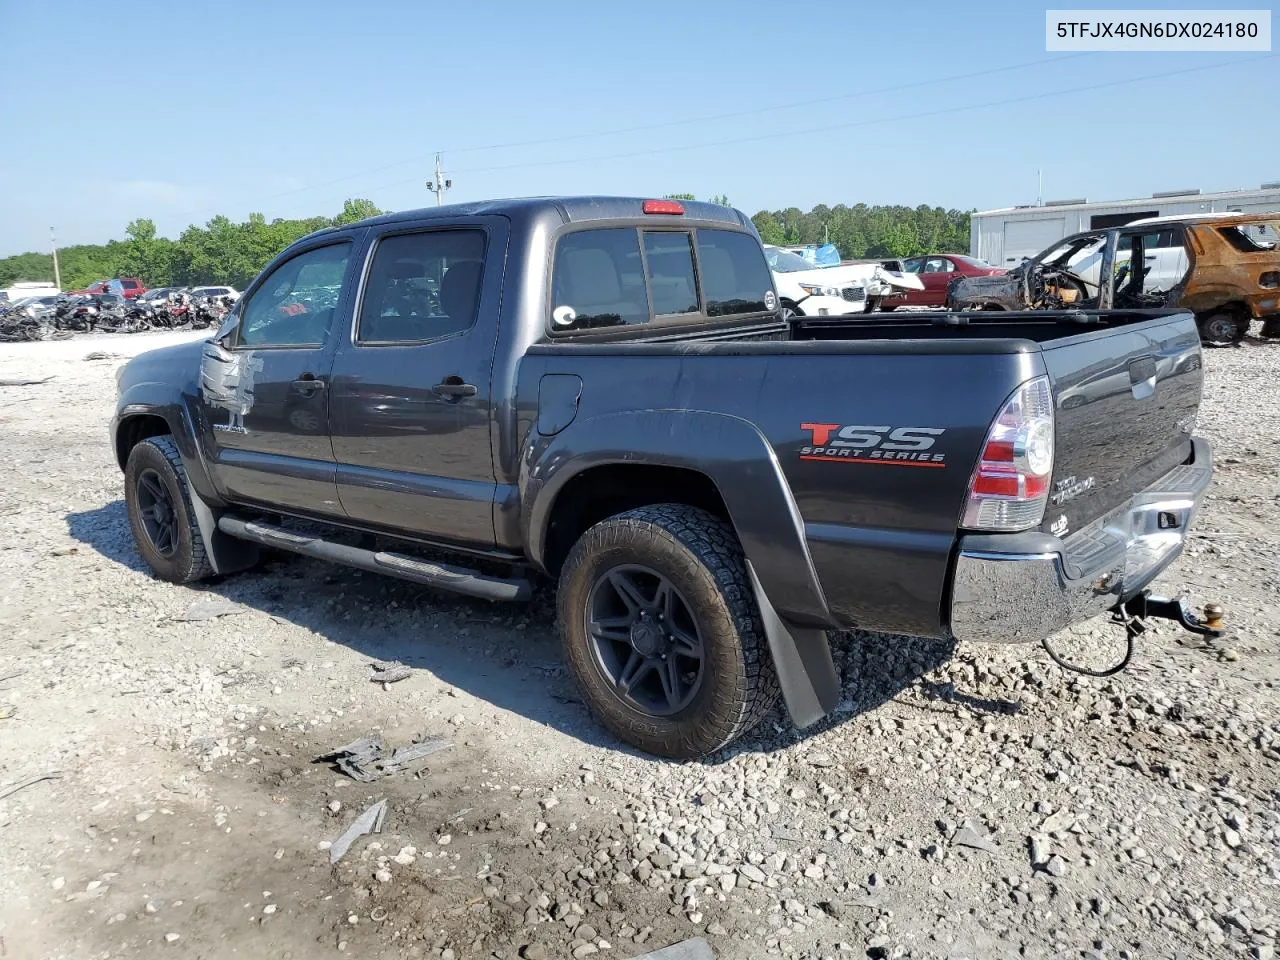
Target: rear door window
{"points": [[735, 274], [598, 280]]}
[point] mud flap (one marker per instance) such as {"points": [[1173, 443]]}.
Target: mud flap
{"points": [[226, 554], [802, 657]]}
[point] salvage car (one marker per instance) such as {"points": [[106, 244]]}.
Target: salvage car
{"points": [[805, 290], [936, 271], [604, 394], [1225, 268]]}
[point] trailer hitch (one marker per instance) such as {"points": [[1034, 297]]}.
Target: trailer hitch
{"points": [[1134, 613]]}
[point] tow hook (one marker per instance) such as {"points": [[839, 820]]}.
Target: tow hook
{"points": [[1134, 613]]}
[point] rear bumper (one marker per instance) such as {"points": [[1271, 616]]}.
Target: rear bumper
{"points": [[1038, 584]]}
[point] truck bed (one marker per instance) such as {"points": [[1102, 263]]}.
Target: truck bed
{"points": [[881, 535]]}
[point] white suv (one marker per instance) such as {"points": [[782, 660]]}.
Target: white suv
{"points": [[809, 291], [198, 292]]}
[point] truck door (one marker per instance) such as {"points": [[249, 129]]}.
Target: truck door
{"points": [[411, 399], [264, 384]]}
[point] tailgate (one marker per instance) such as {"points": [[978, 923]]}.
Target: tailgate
{"points": [[1126, 403]]}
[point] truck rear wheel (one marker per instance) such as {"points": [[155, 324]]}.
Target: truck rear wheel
{"points": [[158, 499], [662, 633]]}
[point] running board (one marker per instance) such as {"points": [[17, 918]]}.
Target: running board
{"points": [[473, 583]]}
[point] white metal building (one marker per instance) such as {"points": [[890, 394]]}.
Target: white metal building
{"points": [[1003, 237]]}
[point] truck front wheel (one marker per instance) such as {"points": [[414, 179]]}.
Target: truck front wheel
{"points": [[662, 633], [157, 497]]}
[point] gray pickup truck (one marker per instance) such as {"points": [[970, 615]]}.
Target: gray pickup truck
{"points": [[603, 391]]}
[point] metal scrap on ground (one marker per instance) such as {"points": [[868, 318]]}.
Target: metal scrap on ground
{"points": [[694, 949], [23, 784], [23, 383], [208, 610], [367, 760], [368, 822], [385, 673]]}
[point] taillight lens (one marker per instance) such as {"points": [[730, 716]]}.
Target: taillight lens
{"points": [[1010, 486]]}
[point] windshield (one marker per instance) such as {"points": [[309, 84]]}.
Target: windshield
{"points": [[783, 261], [971, 261]]}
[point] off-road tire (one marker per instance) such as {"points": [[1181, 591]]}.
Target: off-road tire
{"points": [[189, 560], [701, 556]]}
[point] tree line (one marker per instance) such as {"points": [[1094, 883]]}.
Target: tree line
{"points": [[863, 231], [223, 251]]}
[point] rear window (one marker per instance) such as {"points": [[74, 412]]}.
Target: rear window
{"points": [[1252, 237], [735, 275], [600, 279], [130, 284], [670, 260]]}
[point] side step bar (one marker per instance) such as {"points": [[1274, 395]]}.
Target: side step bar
{"points": [[473, 583]]}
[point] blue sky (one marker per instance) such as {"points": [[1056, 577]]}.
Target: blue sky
{"points": [[178, 111]]}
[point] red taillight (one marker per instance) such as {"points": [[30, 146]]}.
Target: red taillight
{"points": [[672, 208], [1010, 485]]}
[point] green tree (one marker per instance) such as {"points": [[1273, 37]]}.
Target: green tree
{"points": [[722, 200], [771, 231], [357, 209], [678, 196]]}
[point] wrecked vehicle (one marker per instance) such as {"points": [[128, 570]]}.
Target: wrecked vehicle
{"points": [[604, 392], [1224, 268]]}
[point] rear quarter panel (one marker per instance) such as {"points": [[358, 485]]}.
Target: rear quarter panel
{"points": [[879, 532]]}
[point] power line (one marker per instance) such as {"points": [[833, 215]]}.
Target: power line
{"points": [[950, 109], [757, 138], [642, 128]]}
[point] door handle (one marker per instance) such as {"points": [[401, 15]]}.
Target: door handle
{"points": [[454, 388], [307, 385]]}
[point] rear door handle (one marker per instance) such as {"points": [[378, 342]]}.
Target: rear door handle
{"points": [[454, 388]]}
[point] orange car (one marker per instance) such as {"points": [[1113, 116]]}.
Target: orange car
{"points": [[1225, 268]]}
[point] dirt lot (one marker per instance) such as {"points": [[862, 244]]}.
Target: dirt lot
{"points": [[971, 802]]}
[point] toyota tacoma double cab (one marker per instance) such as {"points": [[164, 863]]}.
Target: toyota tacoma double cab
{"points": [[604, 392]]}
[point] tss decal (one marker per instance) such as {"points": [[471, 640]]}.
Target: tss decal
{"points": [[856, 443]]}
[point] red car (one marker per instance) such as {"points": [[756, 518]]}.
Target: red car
{"points": [[936, 271], [127, 287]]}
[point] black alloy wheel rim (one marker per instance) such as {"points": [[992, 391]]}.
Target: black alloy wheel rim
{"points": [[645, 640], [155, 510]]}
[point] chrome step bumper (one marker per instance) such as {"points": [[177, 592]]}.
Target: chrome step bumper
{"points": [[1016, 597]]}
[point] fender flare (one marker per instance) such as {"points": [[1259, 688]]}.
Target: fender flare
{"points": [[741, 463]]}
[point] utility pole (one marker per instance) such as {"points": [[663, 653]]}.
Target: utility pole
{"points": [[1039, 188], [440, 184], [57, 276]]}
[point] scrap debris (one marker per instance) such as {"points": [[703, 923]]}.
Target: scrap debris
{"points": [[208, 610], [368, 822], [22, 382], [694, 949], [30, 781], [387, 673], [366, 760]]}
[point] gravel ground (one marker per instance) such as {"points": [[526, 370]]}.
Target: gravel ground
{"points": [[967, 802]]}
